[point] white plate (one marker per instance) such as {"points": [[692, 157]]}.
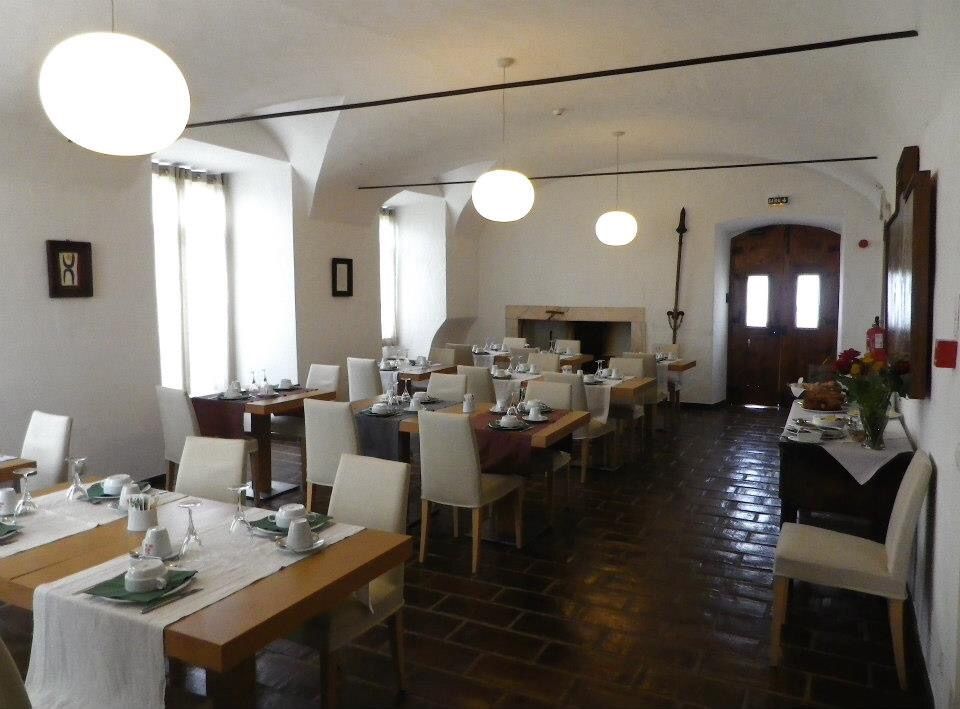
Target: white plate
{"points": [[317, 546], [793, 437], [495, 410], [539, 420], [166, 593], [819, 411]]}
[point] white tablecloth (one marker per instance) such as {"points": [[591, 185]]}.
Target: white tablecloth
{"points": [[862, 463], [88, 652]]}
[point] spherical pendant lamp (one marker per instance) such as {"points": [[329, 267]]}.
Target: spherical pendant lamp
{"points": [[616, 227], [503, 195], [113, 93]]}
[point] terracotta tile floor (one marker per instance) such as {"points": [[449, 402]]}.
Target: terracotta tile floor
{"points": [[653, 591]]}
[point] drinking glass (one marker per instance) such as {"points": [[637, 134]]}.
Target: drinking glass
{"points": [[239, 520], [263, 377], [192, 537], [76, 467], [253, 382], [26, 505]]}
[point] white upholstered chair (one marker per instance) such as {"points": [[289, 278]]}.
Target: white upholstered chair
{"points": [[331, 431], [443, 355], [510, 342], [447, 387], [547, 361], [178, 420], [208, 466], [568, 346], [372, 493], [631, 366], [47, 441], [599, 408], [522, 354], [829, 558], [363, 378], [450, 475], [13, 695], [463, 352], [479, 382], [556, 395]]}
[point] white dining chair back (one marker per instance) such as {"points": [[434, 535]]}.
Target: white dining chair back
{"points": [[13, 695], [463, 352], [449, 462], [47, 442], [547, 361], [208, 466], [557, 395], [510, 342], [577, 388], [323, 377], [628, 366], [479, 382], [443, 355], [906, 512], [568, 346], [522, 354], [363, 378], [178, 420], [447, 387], [371, 492], [331, 431]]}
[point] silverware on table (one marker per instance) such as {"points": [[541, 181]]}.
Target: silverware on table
{"points": [[168, 599]]}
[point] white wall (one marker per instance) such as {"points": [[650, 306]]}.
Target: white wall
{"points": [[552, 256]]}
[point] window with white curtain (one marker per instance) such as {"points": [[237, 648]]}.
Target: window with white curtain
{"points": [[388, 276], [190, 246]]}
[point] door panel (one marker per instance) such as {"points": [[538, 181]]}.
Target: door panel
{"points": [[762, 359]]}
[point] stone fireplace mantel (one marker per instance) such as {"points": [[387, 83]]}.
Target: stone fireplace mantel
{"points": [[635, 318]]}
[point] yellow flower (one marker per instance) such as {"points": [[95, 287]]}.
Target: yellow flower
{"points": [[878, 367], [855, 369], [868, 359]]}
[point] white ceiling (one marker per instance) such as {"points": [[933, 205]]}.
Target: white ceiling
{"points": [[241, 55]]}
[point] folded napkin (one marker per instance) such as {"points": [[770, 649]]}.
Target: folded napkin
{"points": [[268, 524], [114, 587], [7, 529]]}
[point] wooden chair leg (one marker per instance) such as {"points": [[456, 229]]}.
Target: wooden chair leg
{"points": [[328, 667], [395, 623], [456, 522], [584, 459], [551, 496], [475, 530], [171, 475], [424, 528], [895, 611], [303, 463], [781, 591], [310, 488], [518, 517]]}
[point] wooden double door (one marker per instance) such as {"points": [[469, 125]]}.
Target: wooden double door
{"points": [[784, 301]]}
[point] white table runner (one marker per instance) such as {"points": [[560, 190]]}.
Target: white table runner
{"points": [[503, 388], [862, 463], [101, 513], [90, 652]]}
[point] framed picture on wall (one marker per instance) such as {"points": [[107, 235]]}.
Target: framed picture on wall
{"points": [[69, 269], [342, 277]]}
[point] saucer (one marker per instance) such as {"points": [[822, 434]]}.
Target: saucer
{"points": [[318, 544], [496, 410], [501, 377], [533, 420], [497, 427], [233, 398], [292, 387], [381, 414]]}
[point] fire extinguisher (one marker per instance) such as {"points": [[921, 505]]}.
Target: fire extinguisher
{"points": [[877, 341]]}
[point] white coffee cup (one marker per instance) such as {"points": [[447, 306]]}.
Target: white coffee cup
{"points": [[589, 378], [114, 484], [145, 575], [468, 406], [421, 361], [614, 373], [533, 402], [510, 421], [299, 535], [415, 405], [131, 488], [156, 543], [605, 372], [570, 351], [380, 408], [567, 369], [535, 412], [8, 500], [419, 395], [534, 369], [523, 367], [285, 384], [500, 406], [290, 512]]}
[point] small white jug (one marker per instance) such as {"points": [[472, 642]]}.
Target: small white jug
{"points": [[468, 406]]}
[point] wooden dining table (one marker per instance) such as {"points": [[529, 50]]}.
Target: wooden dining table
{"points": [[8, 467], [224, 637], [678, 366], [223, 418]]}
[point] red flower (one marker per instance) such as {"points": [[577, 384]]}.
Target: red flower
{"points": [[845, 360]]}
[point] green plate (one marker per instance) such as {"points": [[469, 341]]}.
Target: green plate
{"points": [[268, 524], [8, 530], [95, 492], [114, 590]]}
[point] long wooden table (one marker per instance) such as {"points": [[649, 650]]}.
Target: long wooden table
{"points": [[678, 366], [260, 411], [224, 637], [7, 468]]}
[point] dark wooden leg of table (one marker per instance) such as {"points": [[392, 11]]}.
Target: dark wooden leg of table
{"points": [[263, 475], [674, 395], [235, 687], [788, 512], [648, 413]]}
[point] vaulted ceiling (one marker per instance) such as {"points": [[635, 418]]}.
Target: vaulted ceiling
{"points": [[242, 55]]}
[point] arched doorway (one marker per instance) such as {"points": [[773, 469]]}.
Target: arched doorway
{"points": [[784, 301]]}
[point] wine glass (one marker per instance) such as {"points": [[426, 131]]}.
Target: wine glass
{"points": [[263, 378], [25, 505], [192, 537], [239, 520], [76, 467], [253, 382]]}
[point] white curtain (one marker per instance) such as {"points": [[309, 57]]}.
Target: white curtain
{"points": [[189, 224], [388, 277]]}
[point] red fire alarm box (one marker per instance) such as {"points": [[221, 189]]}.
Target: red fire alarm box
{"points": [[945, 354]]}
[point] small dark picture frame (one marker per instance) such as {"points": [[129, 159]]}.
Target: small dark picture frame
{"points": [[341, 275], [70, 269]]}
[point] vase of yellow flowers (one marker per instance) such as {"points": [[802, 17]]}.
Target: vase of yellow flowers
{"points": [[870, 382]]}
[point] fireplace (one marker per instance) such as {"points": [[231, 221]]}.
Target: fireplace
{"points": [[602, 331]]}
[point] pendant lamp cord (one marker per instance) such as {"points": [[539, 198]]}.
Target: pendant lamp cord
{"points": [[618, 172], [113, 16], [503, 120]]}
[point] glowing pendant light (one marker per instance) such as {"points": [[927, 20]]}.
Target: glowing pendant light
{"points": [[113, 93], [503, 195], [616, 228]]}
